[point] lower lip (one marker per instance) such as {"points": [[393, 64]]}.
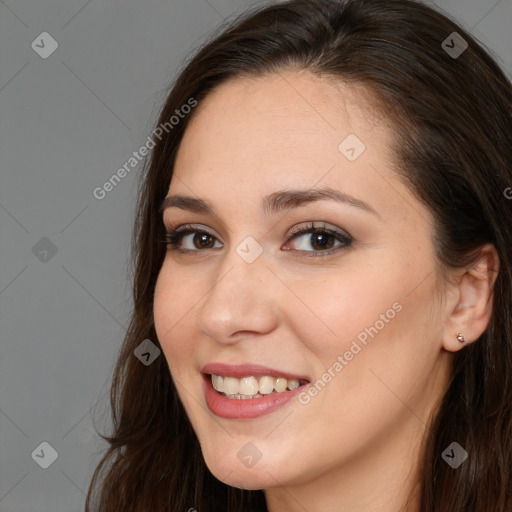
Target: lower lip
{"points": [[235, 408]]}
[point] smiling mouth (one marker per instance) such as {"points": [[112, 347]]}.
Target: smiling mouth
{"points": [[253, 387]]}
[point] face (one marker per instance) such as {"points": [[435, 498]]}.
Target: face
{"points": [[281, 285]]}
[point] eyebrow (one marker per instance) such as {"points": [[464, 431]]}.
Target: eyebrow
{"points": [[273, 203]]}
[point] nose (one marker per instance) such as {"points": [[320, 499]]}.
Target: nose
{"points": [[242, 300]]}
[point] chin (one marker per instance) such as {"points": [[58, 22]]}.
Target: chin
{"points": [[237, 475], [250, 479]]}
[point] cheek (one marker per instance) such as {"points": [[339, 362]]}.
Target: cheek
{"points": [[338, 308], [369, 317], [173, 311]]}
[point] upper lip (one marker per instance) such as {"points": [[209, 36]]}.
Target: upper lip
{"points": [[247, 370]]}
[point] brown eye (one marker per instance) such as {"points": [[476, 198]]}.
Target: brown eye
{"points": [[203, 240], [188, 239], [319, 240]]}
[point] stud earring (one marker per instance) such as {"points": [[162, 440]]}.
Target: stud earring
{"points": [[460, 337]]}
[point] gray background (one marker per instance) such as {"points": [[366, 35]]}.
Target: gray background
{"points": [[67, 123]]}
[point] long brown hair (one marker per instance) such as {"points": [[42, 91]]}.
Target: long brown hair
{"points": [[452, 121]]}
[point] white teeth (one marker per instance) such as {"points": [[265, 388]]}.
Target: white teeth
{"points": [[266, 384], [231, 386], [218, 383], [280, 384], [250, 387]]}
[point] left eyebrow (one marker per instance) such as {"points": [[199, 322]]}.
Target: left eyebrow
{"points": [[273, 203]]}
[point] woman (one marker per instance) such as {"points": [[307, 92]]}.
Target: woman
{"points": [[322, 255]]}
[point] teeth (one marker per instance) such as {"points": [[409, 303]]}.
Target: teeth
{"points": [[280, 384], [251, 387], [244, 397], [217, 382], [248, 386], [293, 384], [266, 385], [231, 386]]}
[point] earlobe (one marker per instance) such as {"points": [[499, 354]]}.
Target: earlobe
{"points": [[472, 312]]}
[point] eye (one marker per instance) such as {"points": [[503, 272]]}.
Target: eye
{"points": [[189, 238], [320, 238]]}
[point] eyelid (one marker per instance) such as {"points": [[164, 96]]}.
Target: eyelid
{"points": [[192, 227], [317, 225]]}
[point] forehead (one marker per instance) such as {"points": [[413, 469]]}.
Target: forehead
{"points": [[277, 112], [262, 123], [254, 135]]}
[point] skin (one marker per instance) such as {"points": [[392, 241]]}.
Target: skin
{"points": [[354, 446]]}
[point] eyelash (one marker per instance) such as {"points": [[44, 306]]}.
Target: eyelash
{"points": [[173, 238]]}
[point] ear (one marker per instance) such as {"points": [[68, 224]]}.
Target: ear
{"points": [[473, 300]]}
